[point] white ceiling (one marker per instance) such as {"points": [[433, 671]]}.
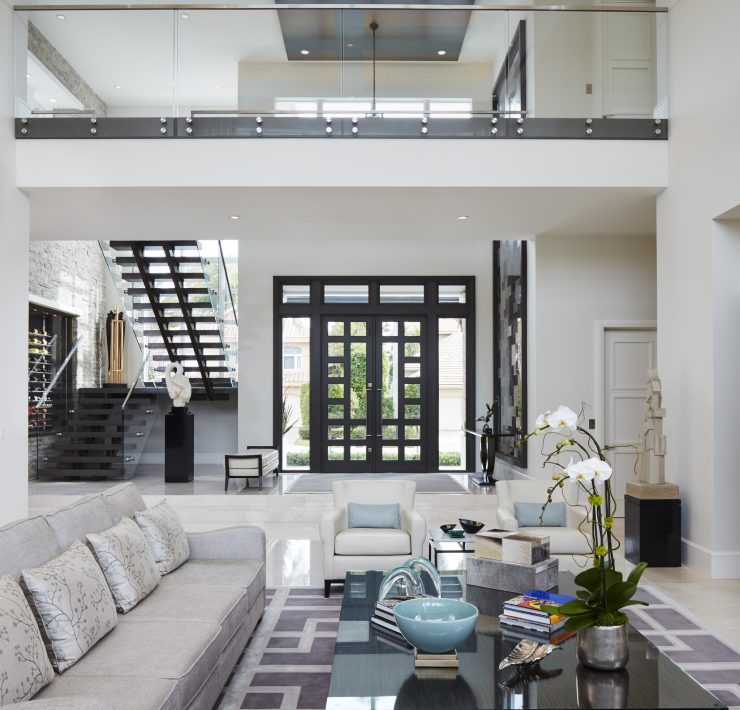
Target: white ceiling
{"points": [[136, 51], [339, 213]]}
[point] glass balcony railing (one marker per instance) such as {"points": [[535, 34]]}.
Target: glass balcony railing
{"points": [[254, 71]]}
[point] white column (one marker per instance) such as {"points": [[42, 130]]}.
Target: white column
{"points": [[699, 281], [14, 236]]}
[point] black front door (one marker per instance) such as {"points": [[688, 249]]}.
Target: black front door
{"points": [[373, 393]]}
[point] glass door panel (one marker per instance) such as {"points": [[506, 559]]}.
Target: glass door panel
{"points": [[401, 407], [346, 355]]}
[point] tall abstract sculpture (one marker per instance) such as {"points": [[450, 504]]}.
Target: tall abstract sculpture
{"points": [[115, 331], [651, 464], [178, 384]]}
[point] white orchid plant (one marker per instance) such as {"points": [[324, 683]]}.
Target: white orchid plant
{"points": [[604, 591]]}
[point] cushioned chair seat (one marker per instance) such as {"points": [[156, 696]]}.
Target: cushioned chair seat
{"points": [[119, 693], [179, 651], [563, 541], [204, 603], [372, 541], [269, 460], [248, 574]]}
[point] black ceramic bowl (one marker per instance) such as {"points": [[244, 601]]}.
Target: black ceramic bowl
{"points": [[470, 526], [447, 527]]}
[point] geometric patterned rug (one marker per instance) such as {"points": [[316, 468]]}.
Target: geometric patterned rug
{"points": [[287, 663]]}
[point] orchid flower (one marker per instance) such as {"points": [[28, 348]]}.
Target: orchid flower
{"points": [[541, 421], [580, 471], [562, 418]]}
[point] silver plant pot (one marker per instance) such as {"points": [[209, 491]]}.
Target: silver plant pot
{"points": [[604, 648]]}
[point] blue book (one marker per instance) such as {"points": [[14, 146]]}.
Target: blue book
{"points": [[550, 597]]}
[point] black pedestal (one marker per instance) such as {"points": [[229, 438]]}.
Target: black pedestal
{"points": [[652, 531], [179, 445]]}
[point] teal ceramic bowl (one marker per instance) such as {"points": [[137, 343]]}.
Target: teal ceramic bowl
{"points": [[435, 625]]}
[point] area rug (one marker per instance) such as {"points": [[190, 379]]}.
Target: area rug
{"points": [[425, 482], [287, 664]]}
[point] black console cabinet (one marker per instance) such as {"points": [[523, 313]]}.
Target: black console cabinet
{"points": [[653, 531]]}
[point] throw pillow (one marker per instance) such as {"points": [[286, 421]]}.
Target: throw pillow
{"points": [[165, 535], [127, 563], [73, 604], [528, 515], [361, 515], [25, 665]]}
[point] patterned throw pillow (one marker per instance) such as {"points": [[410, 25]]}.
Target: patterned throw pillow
{"points": [[166, 536], [73, 604], [25, 665], [127, 563]]}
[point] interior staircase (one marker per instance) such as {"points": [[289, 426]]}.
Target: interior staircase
{"points": [[171, 307], [100, 439]]}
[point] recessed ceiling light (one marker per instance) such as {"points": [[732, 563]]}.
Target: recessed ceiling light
{"points": [[441, 52], [52, 100], [217, 86], [118, 86], [349, 44], [28, 76], [234, 216], [462, 216], [60, 17], [304, 52], [184, 15]]}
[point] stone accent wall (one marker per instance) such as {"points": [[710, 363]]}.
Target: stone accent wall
{"points": [[73, 276], [53, 60]]}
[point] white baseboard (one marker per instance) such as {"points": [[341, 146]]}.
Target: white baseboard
{"points": [[204, 457], [713, 564]]}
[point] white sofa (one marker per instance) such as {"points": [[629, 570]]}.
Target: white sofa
{"points": [[348, 549], [568, 540]]}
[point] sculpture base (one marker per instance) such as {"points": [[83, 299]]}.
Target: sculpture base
{"points": [[652, 491], [652, 531], [179, 446]]}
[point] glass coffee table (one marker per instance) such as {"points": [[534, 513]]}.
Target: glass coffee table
{"points": [[371, 673], [440, 543]]}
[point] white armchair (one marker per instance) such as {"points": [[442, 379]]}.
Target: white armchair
{"points": [[568, 540], [348, 549]]}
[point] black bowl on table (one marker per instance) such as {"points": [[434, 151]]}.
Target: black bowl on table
{"points": [[447, 527], [470, 526]]}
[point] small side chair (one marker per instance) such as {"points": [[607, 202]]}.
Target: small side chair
{"points": [[257, 462]]}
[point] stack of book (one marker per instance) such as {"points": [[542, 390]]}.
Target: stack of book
{"points": [[385, 622], [524, 617]]}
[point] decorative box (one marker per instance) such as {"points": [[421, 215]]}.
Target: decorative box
{"points": [[512, 577]]}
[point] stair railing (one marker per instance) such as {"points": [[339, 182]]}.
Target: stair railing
{"points": [[58, 373], [136, 379], [129, 446]]}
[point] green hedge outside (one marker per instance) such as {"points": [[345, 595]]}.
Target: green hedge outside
{"points": [[303, 458]]}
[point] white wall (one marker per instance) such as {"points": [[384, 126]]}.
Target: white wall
{"points": [[259, 261], [579, 281], [14, 231], [698, 263]]}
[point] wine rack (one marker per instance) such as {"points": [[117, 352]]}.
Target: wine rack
{"points": [[40, 373]]}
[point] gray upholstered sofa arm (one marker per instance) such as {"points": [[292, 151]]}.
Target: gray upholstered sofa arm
{"points": [[245, 542], [73, 702]]}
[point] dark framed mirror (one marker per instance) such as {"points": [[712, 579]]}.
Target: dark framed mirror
{"points": [[510, 348]]}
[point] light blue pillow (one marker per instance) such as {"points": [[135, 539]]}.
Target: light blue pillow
{"points": [[528, 515], [360, 515]]}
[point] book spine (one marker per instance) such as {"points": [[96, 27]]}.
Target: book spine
{"points": [[534, 619]]}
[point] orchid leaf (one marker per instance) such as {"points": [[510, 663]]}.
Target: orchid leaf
{"points": [[635, 574], [632, 602], [584, 595], [582, 621], [619, 595], [575, 608]]}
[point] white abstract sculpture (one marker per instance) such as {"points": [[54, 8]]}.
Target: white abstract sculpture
{"points": [[651, 466], [178, 384]]}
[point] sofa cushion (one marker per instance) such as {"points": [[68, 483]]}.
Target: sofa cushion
{"points": [[27, 543], [72, 523], [563, 540], [74, 702], [206, 603], [270, 460], [181, 651], [122, 500], [528, 515], [372, 541], [117, 693], [387, 515], [127, 563], [165, 536], [248, 574], [72, 604], [25, 665]]}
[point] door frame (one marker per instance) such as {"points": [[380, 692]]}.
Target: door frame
{"points": [[431, 308], [601, 327]]}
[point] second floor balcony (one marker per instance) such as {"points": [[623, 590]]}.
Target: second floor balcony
{"points": [[452, 70]]}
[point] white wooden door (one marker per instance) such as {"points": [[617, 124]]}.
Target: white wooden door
{"points": [[628, 355]]}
